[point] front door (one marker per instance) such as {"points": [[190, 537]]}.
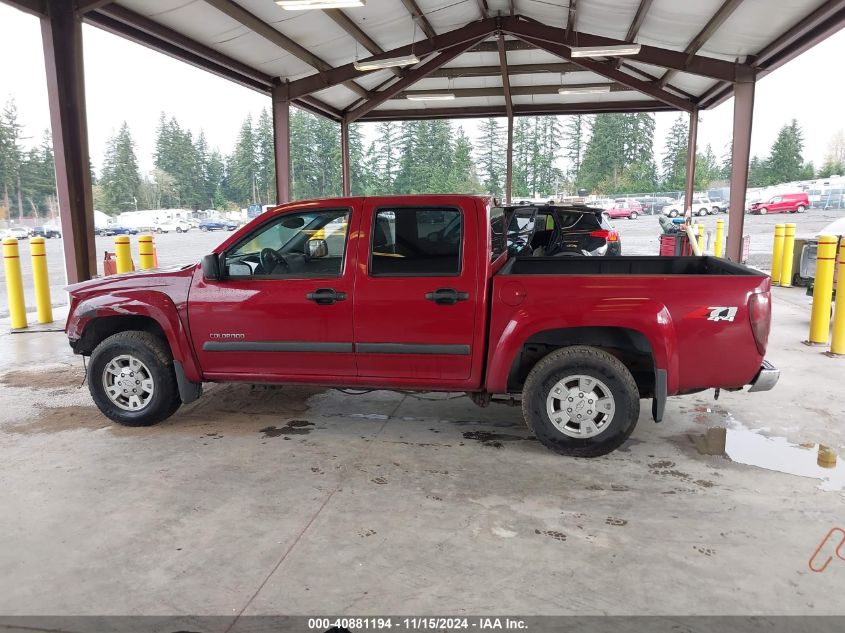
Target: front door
{"points": [[416, 294], [284, 305]]}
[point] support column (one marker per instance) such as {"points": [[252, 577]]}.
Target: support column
{"points": [[344, 157], [692, 143], [509, 163], [740, 154], [281, 141], [61, 36]]}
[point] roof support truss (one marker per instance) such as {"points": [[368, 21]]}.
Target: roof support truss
{"points": [[419, 17], [411, 78], [722, 14], [356, 33], [260, 27], [695, 64], [610, 72]]}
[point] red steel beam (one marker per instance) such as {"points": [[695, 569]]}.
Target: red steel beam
{"points": [[677, 60], [608, 71], [356, 33], [637, 22], [472, 32], [740, 155], [692, 142], [515, 91], [411, 78], [281, 141], [84, 6], [419, 17], [510, 45], [506, 83], [344, 158], [571, 17], [260, 27], [474, 112], [61, 34], [722, 14], [37, 8], [140, 29]]}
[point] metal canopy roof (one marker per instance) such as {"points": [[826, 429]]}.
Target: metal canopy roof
{"points": [[497, 57]]}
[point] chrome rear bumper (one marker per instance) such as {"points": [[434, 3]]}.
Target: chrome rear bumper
{"points": [[766, 378]]}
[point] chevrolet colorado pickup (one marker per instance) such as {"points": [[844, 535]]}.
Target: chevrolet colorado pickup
{"points": [[419, 293]]}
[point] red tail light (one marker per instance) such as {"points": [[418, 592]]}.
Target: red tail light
{"points": [[610, 236], [760, 314]]}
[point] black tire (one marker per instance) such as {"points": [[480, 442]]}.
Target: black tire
{"points": [[203, 228], [702, 212], [673, 214], [585, 361], [178, 229], [152, 352], [634, 215], [763, 210], [801, 208]]}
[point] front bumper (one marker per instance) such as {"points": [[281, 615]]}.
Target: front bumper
{"points": [[766, 378]]}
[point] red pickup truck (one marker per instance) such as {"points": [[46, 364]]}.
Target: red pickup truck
{"points": [[418, 293]]}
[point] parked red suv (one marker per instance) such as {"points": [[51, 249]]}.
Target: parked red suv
{"points": [[782, 203], [624, 208]]}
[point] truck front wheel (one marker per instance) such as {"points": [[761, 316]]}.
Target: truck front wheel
{"points": [[581, 401], [131, 379]]}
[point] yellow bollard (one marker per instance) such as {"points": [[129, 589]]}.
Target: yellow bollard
{"points": [[837, 339], [14, 282], [701, 238], [123, 254], [146, 252], [777, 253], [720, 238], [822, 290], [43, 303], [788, 255]]}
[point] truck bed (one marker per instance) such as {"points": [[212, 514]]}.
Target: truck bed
{"points": [[646, 265]]}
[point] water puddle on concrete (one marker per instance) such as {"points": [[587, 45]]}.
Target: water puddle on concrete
{"points": [[744, 446]]}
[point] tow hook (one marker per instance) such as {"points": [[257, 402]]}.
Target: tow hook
{"points": [[716, 393]]}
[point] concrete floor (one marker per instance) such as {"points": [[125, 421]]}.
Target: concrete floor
{"points": [[305, 501]]}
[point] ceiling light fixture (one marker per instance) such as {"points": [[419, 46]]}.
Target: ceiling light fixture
{"points": [[605, 51], [390, 62], [305, 5], [433, 96], [583, 90]]}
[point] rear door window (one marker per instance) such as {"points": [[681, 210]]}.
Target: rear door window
{"points": [[416, 242]]}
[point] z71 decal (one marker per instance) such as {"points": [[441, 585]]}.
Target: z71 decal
{"points": [[722, 313]]}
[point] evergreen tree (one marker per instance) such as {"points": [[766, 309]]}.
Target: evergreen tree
{"points": [[727, 162], [674, 163], [757, 173], [706, 168], [359, 173], [604, 155], [576, 131], [785, 162], [120, 181], [242, 167], [491, 156], [11, 158], [387, 156], [521, 161], [462, 177], [266, 157]]}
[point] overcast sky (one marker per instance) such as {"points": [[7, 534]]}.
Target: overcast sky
{"points": [[125, 81]]}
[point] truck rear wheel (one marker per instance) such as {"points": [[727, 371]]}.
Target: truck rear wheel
{"points": [[131, 379], [581, 401]]}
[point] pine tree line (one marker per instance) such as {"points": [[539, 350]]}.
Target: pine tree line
{"points": [[605, 153]]}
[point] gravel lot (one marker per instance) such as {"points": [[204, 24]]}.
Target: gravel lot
{"points": [[639, 237]]}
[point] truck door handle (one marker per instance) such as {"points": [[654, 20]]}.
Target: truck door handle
{"points": [[446, 296], [325, 296]]}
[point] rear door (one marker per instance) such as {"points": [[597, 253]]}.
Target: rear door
{"points": [[416, 293]]}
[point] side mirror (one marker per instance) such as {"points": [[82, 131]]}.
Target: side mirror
{"points": [[317, 248], [211, 267]]}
